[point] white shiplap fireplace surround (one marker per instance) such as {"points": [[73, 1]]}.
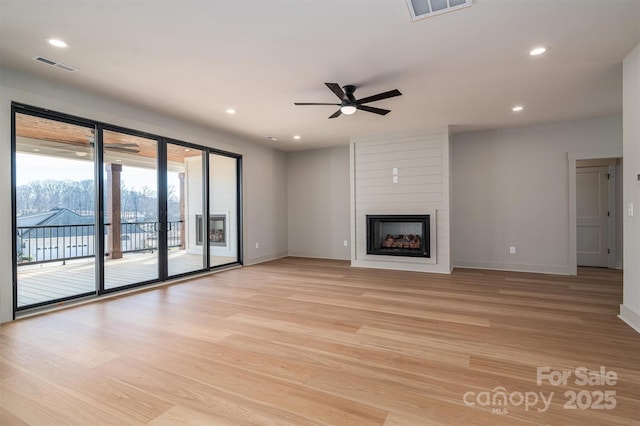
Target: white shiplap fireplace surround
{"points": [[420, 161]]}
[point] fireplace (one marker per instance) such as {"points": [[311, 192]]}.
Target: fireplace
{"points": [[217, 230], [398, 235]]}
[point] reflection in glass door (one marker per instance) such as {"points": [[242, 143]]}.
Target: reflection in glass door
{"points": [[185, 201], [223, 210], [132, 222], [99, 208], [54, 210]]}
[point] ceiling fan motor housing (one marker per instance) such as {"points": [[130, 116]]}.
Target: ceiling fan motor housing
{"points": [[349, 89]]}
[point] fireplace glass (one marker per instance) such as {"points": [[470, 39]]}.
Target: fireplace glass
{"points": [[398, 235], [217, 231]]}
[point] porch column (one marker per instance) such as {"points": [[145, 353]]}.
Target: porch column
{"points": [[114, 231], [183, 238]]}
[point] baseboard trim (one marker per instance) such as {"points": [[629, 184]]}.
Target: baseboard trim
{"points": [[631, 317], [263, 259], [317, 256], [512, 267]]}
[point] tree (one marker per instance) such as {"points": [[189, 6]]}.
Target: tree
{"points": [[79, 196]]}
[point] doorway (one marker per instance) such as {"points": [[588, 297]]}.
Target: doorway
{"points": [[598, 206]]}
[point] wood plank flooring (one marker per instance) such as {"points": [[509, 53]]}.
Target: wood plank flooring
{"points": [[315, 342]]}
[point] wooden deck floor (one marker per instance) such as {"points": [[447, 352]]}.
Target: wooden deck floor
{"points": [[315, 342], [50, 281]]}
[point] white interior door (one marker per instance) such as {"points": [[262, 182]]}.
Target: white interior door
{"points": [[592, 201]]}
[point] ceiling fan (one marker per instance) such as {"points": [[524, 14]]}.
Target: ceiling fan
{"points": [[68, 145], [117, 146], [122, 147], [349, 104]]}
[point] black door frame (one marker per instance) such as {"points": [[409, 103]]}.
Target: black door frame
{"points": [[99, 128]]}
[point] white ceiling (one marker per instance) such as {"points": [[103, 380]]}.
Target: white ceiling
{"points": [[194, 59]]}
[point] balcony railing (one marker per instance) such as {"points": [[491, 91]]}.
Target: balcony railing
{"points": [[42, 244]]}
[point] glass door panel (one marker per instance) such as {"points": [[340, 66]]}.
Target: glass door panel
{"points": [[132, 222], [55, 210], [185, 194], [223, 210]]}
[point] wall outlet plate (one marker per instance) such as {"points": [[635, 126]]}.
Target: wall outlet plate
{"points": [[512, 250]]}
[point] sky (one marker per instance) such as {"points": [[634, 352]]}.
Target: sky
{"points": [[31, 168]]}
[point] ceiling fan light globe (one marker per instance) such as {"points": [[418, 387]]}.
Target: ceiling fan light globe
{"points": [[348, 109]]}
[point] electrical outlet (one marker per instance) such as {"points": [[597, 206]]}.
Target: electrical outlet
{"points": [[257, 245], [395, 179], [346, 243], [512, 250]]}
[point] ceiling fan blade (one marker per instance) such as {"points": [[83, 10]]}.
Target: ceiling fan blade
{"points": [[117, 144], [379, 96], [373, 110], [126, 145], [115, 148], [336, 114], [312, 103], [335, 88]]}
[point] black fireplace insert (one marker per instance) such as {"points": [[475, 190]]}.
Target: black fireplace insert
{"points": [[398, 235], [217, 231]]}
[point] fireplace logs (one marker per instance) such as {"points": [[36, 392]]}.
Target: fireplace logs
{"points": [[409, 241]]}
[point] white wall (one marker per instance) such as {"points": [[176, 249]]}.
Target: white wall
{"points": [[630, 309], [511, 188], [222, 198], [422, 160], [318, 203], [264, 171], [265, 204]]}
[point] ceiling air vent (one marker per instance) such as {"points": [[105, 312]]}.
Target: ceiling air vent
{"points": [[60, 65], [425, 8]]}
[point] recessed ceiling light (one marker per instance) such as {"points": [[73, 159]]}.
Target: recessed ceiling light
{"points": [[517, 108], [187, 149], [538, 51], [36, 149], [57, 42], [271, 138], [81, 154], [296, 137], [230, 111], [118, 161]]}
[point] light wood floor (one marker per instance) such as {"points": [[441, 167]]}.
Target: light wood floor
{"points": [[315, 342]]}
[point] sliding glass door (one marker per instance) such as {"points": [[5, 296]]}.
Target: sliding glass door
{"points": [[223, 209], [99, 208], [132, 223], [185, 201], [55, 210]]}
